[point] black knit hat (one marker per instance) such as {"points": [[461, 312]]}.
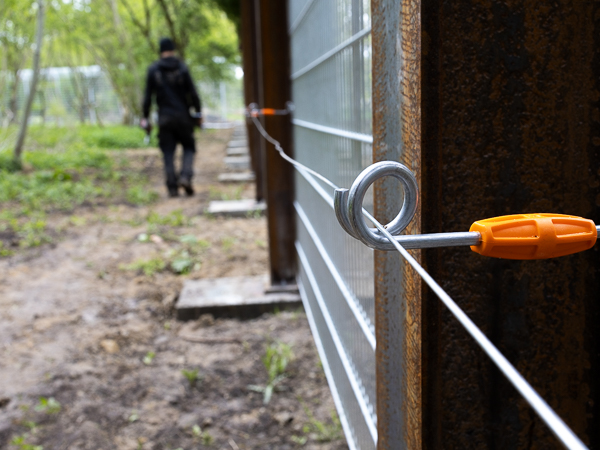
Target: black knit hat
{"points": [[166, 45]]}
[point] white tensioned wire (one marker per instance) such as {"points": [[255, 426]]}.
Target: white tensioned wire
{"points": [[554, 422], [286, 157]]}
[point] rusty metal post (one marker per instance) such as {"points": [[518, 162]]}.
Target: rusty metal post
{"points": [[511, 124], [251, 88], [397, 136], [276, 88]]}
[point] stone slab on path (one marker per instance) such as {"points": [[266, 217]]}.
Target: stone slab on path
{"points": [[237, 151], [238, 162], [237, 177], [242, 297], [236, 208], [238, 143], [217, 125]]}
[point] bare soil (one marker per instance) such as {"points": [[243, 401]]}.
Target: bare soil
{"points": [[104, 343]]}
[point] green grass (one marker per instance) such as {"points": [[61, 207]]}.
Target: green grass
{"points": [[65, 180], [52, 137], [61, 179], [116, 137], [174, 219], [147, 266], [21, 443], [141, 195]]}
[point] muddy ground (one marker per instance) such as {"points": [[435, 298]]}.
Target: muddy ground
{"points": [[93, 358]]}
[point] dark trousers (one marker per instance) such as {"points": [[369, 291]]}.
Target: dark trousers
{"points": [[168, 137]]}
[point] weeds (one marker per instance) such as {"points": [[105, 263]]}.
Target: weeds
{"points": [[28, 231], [187, 258], [181, 260], [254, 214], [300, 440], [47, 190], [48, 405], [276, 358], [322, 431], [21, 444], [227, 243], [148, 358], [140, 195], [218, 194], [174, 219], [203, 436], [61, 179], [32, 233], [148, 266], [106, 137], [77, 221], [184, 263], [191, 376], [4, 252]]}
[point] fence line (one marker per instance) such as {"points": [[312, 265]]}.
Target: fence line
{"points": [[552, 420], [367, 139], [347, 43], [330, 64]]}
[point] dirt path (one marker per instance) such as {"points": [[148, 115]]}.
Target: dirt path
{"points": [[92, 357]]}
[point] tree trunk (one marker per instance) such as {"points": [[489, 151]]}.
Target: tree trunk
{"points": [[34, 80], [12, 102]]}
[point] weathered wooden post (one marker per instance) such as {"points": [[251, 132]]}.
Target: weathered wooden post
{"points": [[275, 93]]}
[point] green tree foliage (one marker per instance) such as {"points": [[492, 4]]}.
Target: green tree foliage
{"points": [[232, 9], [17, 29], [119, 35]]}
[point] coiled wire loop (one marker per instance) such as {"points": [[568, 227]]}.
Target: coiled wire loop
{"points": [[349, 209]]}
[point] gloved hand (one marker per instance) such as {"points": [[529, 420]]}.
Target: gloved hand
{"points": [[145, 124]]}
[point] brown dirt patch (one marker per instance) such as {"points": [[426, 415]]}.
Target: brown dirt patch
{"points": [[76, 327]]}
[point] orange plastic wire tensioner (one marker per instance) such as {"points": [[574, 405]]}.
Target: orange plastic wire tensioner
{"points": [[263, 112], [534, 236]]}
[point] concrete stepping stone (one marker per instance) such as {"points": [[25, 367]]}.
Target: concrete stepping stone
{"points": [[238, 162], [241, 177], [237, 151], [238, 143], [236, 208], [242, 297]]}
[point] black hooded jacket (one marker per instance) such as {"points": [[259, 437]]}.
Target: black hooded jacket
{"points": [[169, 79]]}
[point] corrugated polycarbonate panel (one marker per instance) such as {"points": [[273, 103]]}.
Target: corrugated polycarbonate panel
{"points": [[331, 86]]}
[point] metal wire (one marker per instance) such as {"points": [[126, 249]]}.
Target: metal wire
{"points": [[564, 434], [286, 157]]}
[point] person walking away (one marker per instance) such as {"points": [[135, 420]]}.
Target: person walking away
{"points": [[169, 80]]}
